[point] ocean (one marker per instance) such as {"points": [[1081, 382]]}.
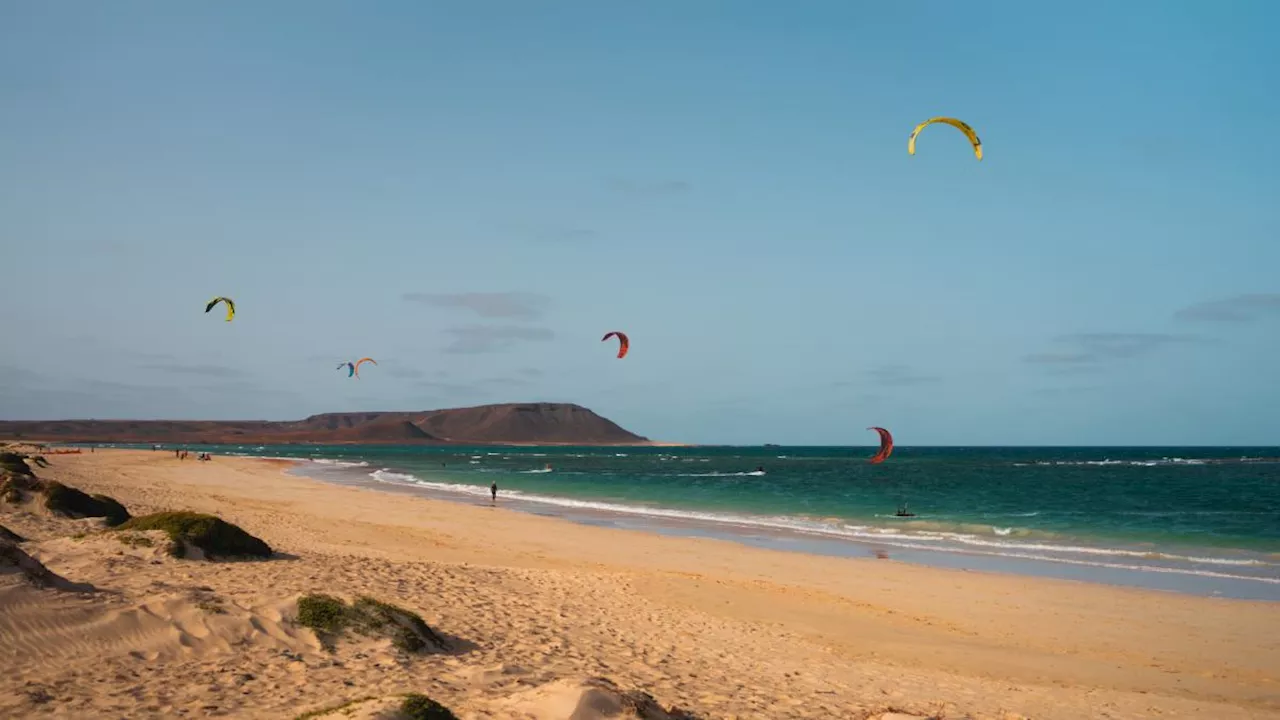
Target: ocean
{"points": [[1198, 520]]}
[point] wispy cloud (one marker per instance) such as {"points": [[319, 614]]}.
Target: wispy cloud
{"points": [[452, 390], [1067, 391], [899, 376], [1125, 345], [517, 305], [469, 389], [396, 369], [1059, 358], [1241, 308], [650, 188], [505, 381], [211, 371], [474, 339], [1092, 349], [531, 372], [566, 235]]}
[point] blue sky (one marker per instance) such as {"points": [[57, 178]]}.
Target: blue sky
{"points": [[474, 193]]}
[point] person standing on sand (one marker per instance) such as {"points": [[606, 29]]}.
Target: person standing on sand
{"points": [[494, 489]]}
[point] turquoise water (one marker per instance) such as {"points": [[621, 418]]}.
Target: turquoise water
{"points": [[1208, 512]]}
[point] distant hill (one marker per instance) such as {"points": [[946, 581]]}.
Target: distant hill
{"points": [[512, 423]]}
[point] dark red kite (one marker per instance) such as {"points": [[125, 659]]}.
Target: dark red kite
{"points": [[886, 446], [623, 343]]}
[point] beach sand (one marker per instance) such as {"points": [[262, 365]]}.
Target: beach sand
{"points": [[535, 606]]}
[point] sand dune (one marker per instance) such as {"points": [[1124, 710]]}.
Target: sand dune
{"points": [[535, 608]]}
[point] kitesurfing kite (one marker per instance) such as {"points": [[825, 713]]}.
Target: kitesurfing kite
{"points": [[355, 369], [231, 306], [958, 124], [351, 368], [623, 343], [886, 446]]}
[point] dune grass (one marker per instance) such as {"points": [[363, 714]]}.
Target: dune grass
{"points": [[215, 537], [413, 706], [75, 503], [421, 707], [14, 463], [329, 617], [135, 540]]}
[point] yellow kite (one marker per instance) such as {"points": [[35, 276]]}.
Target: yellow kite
{"points": [[231, 306], [958, 124]]}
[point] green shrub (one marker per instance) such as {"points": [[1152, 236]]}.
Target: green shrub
{"points": [[407, 630], [135, 540], [214, 536], [116, 513], [14, 463], [76, 504], [329, 616], [421, 707], [326, 615], [18, 481]]}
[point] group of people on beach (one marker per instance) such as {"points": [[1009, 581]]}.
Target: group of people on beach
{"points": [[182, 455]]}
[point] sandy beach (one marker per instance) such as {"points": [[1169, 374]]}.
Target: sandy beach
{"points": [[536, 606]]}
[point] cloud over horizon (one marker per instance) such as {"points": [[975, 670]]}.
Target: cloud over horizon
{"points": [[516, 305], [212, 371], [1238, 309], [900, 376], [476, 339], [1091, 349], [654, 188]]}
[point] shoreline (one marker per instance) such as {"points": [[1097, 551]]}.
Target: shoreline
{"points": [[762, 533], [715, 627]]}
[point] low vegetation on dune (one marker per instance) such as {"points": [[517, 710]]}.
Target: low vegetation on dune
{"points": [[603, 696], [17, 479], [421, 707], [14, 463], [213, 536], [14, 487], [329, 617], [411, 706], [68, 501], [135, 541]]}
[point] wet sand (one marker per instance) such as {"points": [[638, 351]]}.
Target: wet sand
{"points": [[538, 604]]}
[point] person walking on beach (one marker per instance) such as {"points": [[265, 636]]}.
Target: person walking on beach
{"points": [[494, 489]]}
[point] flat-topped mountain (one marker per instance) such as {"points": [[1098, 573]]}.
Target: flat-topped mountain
{"points": [[510, 423]]}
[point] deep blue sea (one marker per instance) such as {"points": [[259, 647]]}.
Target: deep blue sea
{"points": [[1193, 519]]}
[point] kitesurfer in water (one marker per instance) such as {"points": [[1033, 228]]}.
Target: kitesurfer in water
{"points": [[494, 489], [760, 469]]}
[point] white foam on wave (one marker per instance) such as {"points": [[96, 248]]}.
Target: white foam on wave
{"points": [[1162, 462], [940, 541], [338, 463]]}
